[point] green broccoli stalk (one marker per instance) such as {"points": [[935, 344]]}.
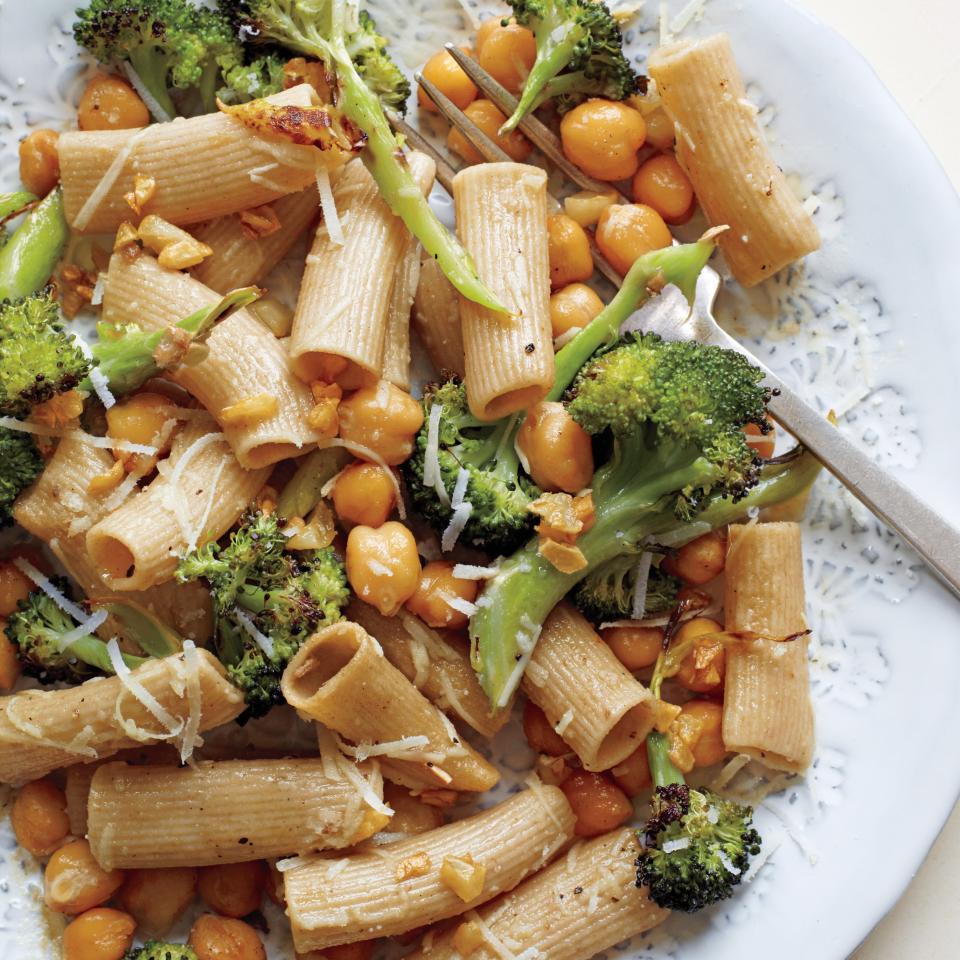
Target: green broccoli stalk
{"points": [[20, 465], [38, 358], [606, 594], [266, 601], [28, 258], [497, 489], [13, 204], [127, 357], [335, 32], [302, 491], [579, 54], [156, 950], [37, 629], [696, 845]]}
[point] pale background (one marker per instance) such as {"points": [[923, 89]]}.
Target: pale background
{"points": [[913, 48]]}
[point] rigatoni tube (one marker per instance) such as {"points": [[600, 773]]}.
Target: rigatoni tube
{"points": [[436, 319], [396, 351]]}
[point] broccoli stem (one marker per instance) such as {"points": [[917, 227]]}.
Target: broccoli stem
{"points": [[302, 492], [680, 265], [29, 257], [152, 68], [662, 769], [13, 203], [93, 652]]}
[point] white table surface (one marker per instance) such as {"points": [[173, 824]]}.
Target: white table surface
{"points": [[913, 48]]}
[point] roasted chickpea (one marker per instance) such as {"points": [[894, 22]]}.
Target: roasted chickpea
{"points": [[138, 419], [573, 307], [410, 814], [74, 882], [384, 418], [224, 938], [569, 245], [383, 565], [233, 889], [364, 494], [660, 132], [700, 560], [362, 950], [661, 183], [485, 29], [710, 654], [540, 733], [39, 817], [598, 803], [508, 54], [763, 443], [708, 748], [99, 934], [602, 138], [635, 647], [109, 103], [14, 587], [39, 161], [558, 449], [158, 898], [625, 232], [448, 77], [437, 586], [489, 119], [633, 775], [10, 667]]}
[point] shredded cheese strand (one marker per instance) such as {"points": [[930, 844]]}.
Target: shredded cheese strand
{"points": [[264, 642], [191, 738], [110, 177], [140, 693], [44, 583], [328, 205]]}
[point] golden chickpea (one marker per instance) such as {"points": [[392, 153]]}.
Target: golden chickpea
{"points": [[410, 814], [39, 161], [507, 54], [763, 443], [158, 898], [14, 587], [708, 748], [633, 775], [708, 677], [598, 803], [635, 647], [10, 666], [573, 306], [233, 889], [485, 29], [602, 138], [224, 938], [660, 132], [364, 494], [625, 232], [100, 934], [663, 184], [540, 733], [431, 600], [139, 418], [448, 77], [489, 119], [700, 560], [384, 418], [74, 882], [569, 245], [383, 566], [109, 103], [558, 449], [39, 817]]}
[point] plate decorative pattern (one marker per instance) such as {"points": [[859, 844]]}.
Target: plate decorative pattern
{"points": [[822, 326]]}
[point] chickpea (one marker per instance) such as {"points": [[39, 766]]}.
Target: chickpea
{"points": [[74, 882], [224, 938], [708, 748], [700, 560], [364, 494], [489, 119], [708, 678], [625, 232], [573, 306], [437, 586], [10, 666], [39, 817], [763, 443], [507, 54], [663, 184], [138, 419], [361, 950], [410, 814], [570, 258], [14, 587], [109, 103], [383, 566], [233, 889], [660, 132], [598, 803], [158, 898], [99, 934], [633, 775], [39, 161], [384, 418], [485, 29], [449, 78], [602, 138], [540, 733], [558, 449], [635, 647]]}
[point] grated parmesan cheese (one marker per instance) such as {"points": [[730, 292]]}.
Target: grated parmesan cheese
{"points": [[692, 11], [191, 738], [328, 205], [432, 475], [101, 443], [565, 722], [469, 571], [465, 607], [455, 527], [101, 386], [82, 630], [32, 573], [110, 177], [264, 642], [156, 108], [406, 748], [640, 587], [140, 693]]}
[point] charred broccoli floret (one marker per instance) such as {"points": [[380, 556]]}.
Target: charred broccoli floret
{"points": [[607, 593], [156, 950], [20, 465]]}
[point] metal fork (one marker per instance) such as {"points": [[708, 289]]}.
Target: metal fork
{"points": [[933, 538]]}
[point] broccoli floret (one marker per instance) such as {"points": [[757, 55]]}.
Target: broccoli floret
{"points": [[20, 465], [155, 950], [498, 490], [254, 78], [37, 629], [368, 50], [38, 358], [716, 839], [606, 594], [267, 602], [579, 55]]}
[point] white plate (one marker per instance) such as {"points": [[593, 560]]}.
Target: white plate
{"points": [[868, 328]]}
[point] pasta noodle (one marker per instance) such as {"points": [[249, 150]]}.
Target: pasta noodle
{"points": [[396, 353], [436, 319], [509, 359]]}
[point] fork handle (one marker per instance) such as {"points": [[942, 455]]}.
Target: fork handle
{"points": [[937, 542]]}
